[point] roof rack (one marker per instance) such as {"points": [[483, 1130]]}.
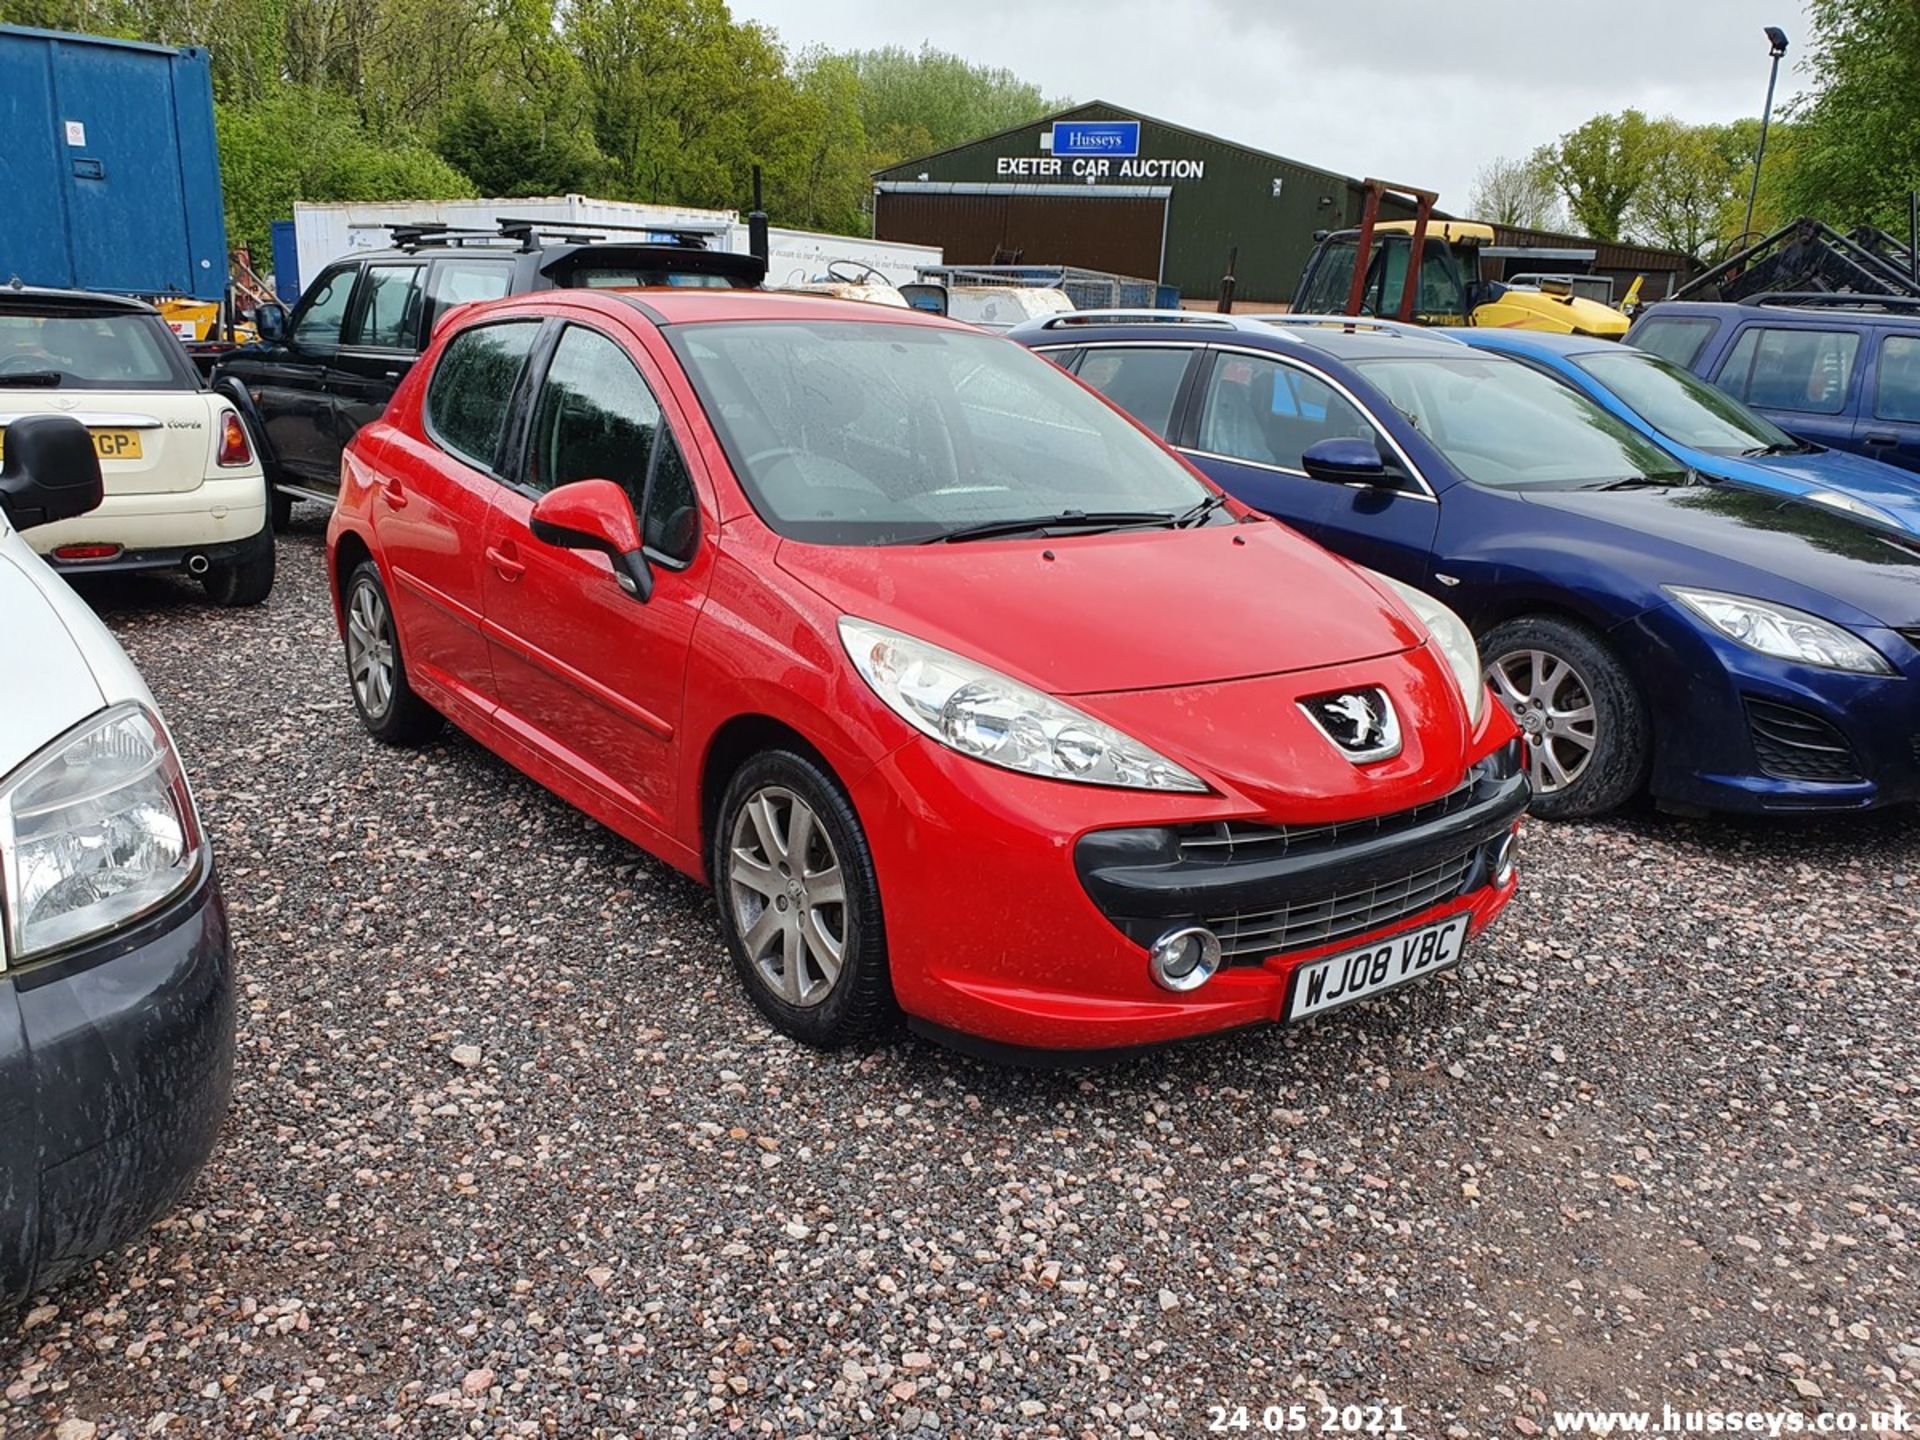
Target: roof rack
{"points": [[1245, 324], [1836, 300], [527, 234]]}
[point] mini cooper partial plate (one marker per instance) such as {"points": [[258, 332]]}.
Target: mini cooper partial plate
{"points": [[1361, 724]]}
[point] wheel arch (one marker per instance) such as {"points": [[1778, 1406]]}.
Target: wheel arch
{"points": [[344, 556], [733, 743]]}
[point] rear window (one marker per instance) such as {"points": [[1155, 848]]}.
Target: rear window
{"points": [[1676, 339], [472, 388], [65, 351], [1777, 368]]}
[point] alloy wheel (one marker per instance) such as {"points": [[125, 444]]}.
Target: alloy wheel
{"points": [[1552, 703], [370, 649], [788, 896]]}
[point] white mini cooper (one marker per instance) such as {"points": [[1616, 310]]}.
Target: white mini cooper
{"points": [[184, 489]]}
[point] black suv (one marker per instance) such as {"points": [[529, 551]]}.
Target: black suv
{"points": [[316, 376]]}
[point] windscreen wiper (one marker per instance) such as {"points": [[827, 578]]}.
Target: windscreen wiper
{"points": [[1791, 448], [1640, 482], [1068, 520], [1198, 513]]}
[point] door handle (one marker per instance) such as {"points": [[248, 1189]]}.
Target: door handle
{"points": [[392, 374], [503, 561], [396, 495], [1881, 438]]}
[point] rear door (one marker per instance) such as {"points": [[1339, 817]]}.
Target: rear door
{"points": [[377, 347], [587, 676], [288, 382], [1889, 425], [1145, 380], [1801, 377], [435, 496], [1251, 418]]}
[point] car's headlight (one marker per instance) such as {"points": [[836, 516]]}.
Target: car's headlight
{"points": [[1783, 632], [1834, 500], [984, 714], [1450, 633], [95, 830]]}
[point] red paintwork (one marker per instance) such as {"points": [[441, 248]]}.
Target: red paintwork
{"points": [[598, 509], [1196, 642]]}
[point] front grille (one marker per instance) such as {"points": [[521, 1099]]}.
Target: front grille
{"points": [[1248, 937], [1793, 745], [1222, 841]]}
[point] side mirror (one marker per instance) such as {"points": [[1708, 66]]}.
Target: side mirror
{"points": [[50, 471], [1345, 460], [270, 321], [929, 297], [596, 515]]}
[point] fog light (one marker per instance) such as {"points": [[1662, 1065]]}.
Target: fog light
{"points": [[85, 552], [1184, 959], [1505, 857]]}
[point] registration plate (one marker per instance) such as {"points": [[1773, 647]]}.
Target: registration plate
{"points": [[1322, 985], [107, 444]]}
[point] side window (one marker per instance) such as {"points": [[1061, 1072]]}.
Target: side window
{"points": [[1268, 413], [389, 316], [670, 524], [323, 311], [1141, 381], [1332, 280], [595, 419], [1898, 395], [1780, 369], [471, 391], [455, 282], [1676, 340]]}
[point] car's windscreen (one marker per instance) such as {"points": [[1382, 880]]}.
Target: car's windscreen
{"points": [[1681, 405], [65, 351], [850, 432], [617, 277], [1501, 423]]}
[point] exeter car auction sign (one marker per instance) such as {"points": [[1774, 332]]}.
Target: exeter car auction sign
{"points": [[1095, 150]]}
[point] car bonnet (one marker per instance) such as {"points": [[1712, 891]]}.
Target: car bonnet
{"points": [[58, 663]]}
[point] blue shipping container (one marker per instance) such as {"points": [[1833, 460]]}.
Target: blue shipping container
{"points": [[109, 166]]}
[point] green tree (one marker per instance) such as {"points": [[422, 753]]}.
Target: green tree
{"points": [[1857, 152], [1600, 168], [1693, 186], [913, 102]]}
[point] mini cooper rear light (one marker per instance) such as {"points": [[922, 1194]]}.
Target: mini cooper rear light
{"points": [[85, 552], [234, 448], [1184, 959]]}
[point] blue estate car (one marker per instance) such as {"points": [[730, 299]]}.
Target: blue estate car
{"points": [[1838, 370], [1718, 645], [1709, 429]]}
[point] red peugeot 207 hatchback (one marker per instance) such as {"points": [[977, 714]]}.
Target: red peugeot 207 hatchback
{"points": [[969, 698]]}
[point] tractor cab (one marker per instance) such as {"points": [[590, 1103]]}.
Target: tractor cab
{"points": [[1426, 271]]}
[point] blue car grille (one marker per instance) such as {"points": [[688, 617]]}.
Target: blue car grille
{"points": [[1793, 745]]}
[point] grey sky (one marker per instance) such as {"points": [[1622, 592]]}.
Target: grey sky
{"points": [[1409, 90]]}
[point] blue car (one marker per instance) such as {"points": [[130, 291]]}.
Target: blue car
{"points": [[1716, 645], [1839, 370], [1709, 429]]}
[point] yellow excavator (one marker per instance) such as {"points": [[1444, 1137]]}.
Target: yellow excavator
{"points": [[1427, 272]]}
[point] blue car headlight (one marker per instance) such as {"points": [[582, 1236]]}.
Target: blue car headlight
{"points": [[1782, 632]]}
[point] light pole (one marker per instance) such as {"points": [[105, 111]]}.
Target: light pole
{"points": [[1777, 40]]}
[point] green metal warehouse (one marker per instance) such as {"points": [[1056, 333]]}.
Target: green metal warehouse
{"points": [[1115, 190]]}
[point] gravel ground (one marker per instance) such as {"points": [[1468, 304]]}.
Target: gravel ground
{"points": [[509, 1155]]}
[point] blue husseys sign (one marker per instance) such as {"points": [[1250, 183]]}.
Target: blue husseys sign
{"points": [[1096, 137]]}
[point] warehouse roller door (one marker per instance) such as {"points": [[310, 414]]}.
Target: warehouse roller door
{"points": [[1122, 234]]}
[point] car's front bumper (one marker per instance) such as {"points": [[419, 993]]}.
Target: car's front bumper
{"points": [[1005, 924], [217, 520], [116, 1060], [1739, 731]]}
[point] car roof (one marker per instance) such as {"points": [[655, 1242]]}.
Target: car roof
{"points": [[686, 305], [80, 302], [1340, 337], [1538, 342], [1861, 310]]}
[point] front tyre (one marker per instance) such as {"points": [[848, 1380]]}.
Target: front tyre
{"points": [[799, 902], [376, 671], [1588, 737], [247, 579]]}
